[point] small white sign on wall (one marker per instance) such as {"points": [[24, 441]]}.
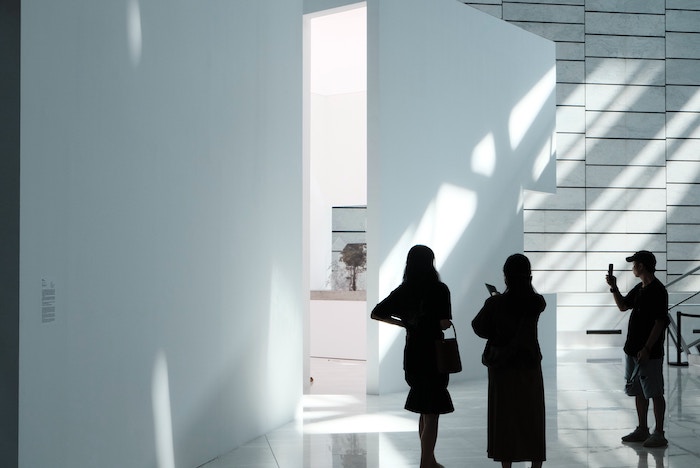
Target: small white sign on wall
{"points": [[48, 301]]}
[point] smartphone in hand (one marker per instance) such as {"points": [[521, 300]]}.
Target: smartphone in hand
{"points": [[492, 289]]}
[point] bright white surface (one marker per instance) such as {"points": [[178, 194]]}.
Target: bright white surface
{"points": [[338, 329], [338, 170], [587, 413], [161, 190], [339, 52], [461, 113]]}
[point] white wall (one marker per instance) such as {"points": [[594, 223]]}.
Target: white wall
{"points": [[461, 112], [161, 192], [338, 170], [338, 329]]}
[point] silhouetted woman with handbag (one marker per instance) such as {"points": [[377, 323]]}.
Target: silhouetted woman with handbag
{"points": [[516, 415], [421, 304]]}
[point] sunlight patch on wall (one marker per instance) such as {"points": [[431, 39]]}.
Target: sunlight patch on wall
{"points": [[681, 127], [529, 107], [445, 220], [441, 227], [624, 99], [162, 417], [133, 29], [692, 104], [520, 205], [628, 178], [282, 339], [543, 158], [484, 156]]}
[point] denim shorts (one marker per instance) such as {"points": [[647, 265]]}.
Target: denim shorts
{"points": [[649, 381]]}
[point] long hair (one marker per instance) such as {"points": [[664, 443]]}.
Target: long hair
{"points": [[420, 266], [518, 274]]}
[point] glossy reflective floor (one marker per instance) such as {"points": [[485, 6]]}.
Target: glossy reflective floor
{"points": [[587, 413]]}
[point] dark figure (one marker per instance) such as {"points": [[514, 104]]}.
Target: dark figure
{"points": [[516, 417], [644, 347], [421, 304]]}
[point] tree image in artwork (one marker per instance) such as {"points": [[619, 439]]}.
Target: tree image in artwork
{"points": [[354, 257]]}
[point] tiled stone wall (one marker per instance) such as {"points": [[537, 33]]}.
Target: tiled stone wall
{"points": [[628, 151]]}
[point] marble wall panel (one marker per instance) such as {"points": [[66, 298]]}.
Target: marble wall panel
{"points": [[625, 152], [626, 221], [683, 21], [619, 199], [571, 146], [683, 98], [625, 24], [555, 13], [635, 125], [641, 177], [627, 6], [632, 98], [602, 70], [570, 199], [625, 47]]}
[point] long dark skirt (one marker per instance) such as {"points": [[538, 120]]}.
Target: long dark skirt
{"points": [[516, 417]]}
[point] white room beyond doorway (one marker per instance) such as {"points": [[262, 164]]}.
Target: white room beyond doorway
{"points": [[336, 151]]}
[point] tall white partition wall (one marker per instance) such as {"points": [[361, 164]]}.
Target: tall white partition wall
{"points": [[161, 201], [461, 115]]}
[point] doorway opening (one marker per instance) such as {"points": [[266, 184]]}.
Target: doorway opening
{"points": [[335, 152]]}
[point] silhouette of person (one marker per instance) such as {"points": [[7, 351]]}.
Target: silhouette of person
{"points": [[516, 414], [644, 346], [421, 305]]}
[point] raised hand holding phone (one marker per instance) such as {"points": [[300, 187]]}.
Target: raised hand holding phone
{"points": [[492, 289], [610, 279]]}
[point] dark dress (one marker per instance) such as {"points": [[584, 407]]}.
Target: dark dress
{"points": [[516, 414], [420, 308]]}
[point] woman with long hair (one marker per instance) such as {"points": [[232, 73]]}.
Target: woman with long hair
{"points": [[516, 415], [421, 305]]}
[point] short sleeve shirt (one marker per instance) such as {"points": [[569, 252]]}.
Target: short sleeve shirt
{"points": [[420, 309], [648, 305]]}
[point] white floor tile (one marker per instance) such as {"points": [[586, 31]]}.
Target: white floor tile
{"points": [[587, 413]]}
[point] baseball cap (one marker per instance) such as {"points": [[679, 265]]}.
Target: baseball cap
{"points": [[644, 257]]}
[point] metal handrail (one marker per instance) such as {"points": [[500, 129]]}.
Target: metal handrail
{"points": [[683, 276], [678, 338]]}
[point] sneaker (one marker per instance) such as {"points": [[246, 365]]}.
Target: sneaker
{"points": [[657, 439], [638, 435]]}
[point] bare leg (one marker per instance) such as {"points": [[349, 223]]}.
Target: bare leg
{"points": [[505, 464], [428, 431], [642, 410], [659, 411], [537, 464]]}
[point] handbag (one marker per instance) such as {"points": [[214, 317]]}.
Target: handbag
{"points": [[447, 352], [500, 356]]}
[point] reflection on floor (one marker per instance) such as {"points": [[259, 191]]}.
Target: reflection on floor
{"points": [[587, 413]]}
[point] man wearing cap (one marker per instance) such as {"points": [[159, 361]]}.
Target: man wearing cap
{"points": [[644, 346]]}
